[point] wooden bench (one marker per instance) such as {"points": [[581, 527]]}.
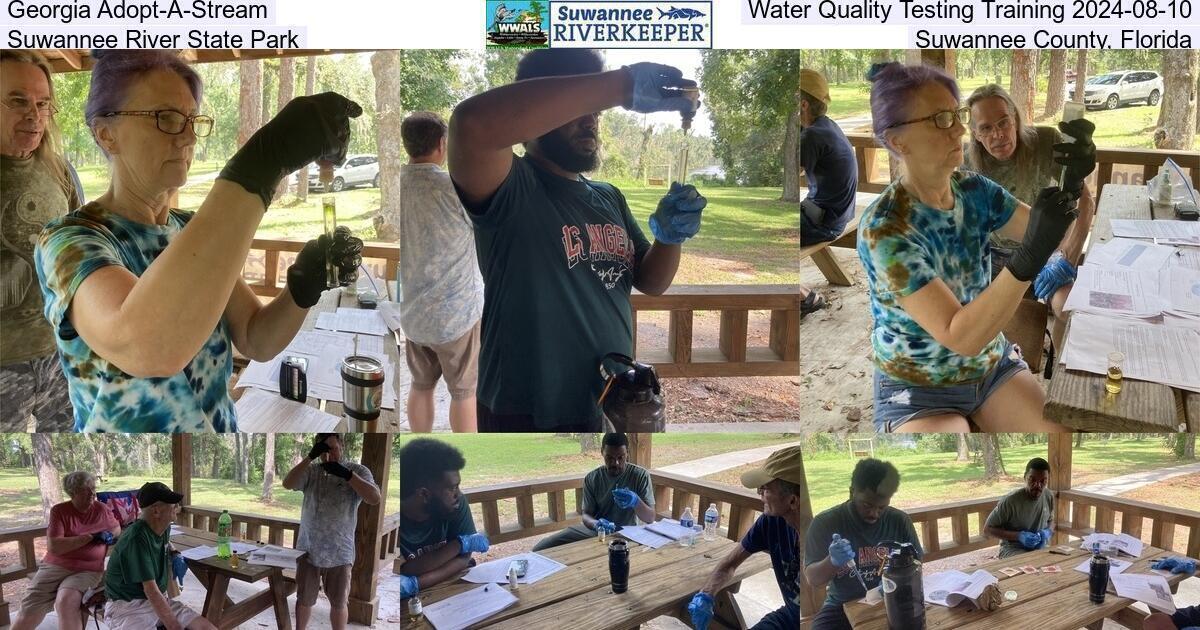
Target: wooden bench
{"points": [[819, 252]]}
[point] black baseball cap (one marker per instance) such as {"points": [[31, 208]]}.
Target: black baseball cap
{"points": [[157, 492]]}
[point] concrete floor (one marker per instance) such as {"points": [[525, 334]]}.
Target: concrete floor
{"points": [[193, 597]]}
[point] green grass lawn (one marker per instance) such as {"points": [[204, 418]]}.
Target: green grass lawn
{"points": [[1129, 126]]}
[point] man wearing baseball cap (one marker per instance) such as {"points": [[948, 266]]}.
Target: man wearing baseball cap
{"points": [[135, 581], [333, 488], [828, 162], [777, 532]]}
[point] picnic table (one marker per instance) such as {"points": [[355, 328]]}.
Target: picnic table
{"points": [[215, 573], [1078, 399], [824, 259], [389, 419], [661, 582], [1052, 601]]}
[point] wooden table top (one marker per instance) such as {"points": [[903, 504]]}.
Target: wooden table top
{"points": [[1054, 601], [190, 537], [660, 580], [1078, 399], [389, 419]]}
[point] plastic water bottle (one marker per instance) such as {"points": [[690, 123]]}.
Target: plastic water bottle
{"points": [[687, 521], [224, 525], [711, 516]]}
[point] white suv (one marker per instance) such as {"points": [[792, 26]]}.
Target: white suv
{"points": [[358, 169], [1112, 89]]}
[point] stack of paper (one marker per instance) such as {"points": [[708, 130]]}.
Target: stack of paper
{"points": [[274, 556], [325, 351], [265, 412], [1163, 232], [469, 608], [199, 553], [354, 320], [1115, 566], [1123, 543], [1152, 590], [497, 570], [951, 588], [1115, 291], [671, 529], [1153, 352], [642, 536]]}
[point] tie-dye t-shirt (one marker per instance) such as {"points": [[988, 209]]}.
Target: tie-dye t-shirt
{"points": [[904, 245], [106, 398]]}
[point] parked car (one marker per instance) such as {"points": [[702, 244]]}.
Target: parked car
{"points": [[358, 169], [1112, 89]]}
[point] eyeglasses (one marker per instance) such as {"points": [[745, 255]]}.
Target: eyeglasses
{"points": [[1001, 126], [172, 122], [44, 109], [941, 120]]}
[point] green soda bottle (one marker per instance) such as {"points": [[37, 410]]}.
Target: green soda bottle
{"points": [[224, 524]]}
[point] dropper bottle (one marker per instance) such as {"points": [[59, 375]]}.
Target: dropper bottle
{"points": [[329, 210]]}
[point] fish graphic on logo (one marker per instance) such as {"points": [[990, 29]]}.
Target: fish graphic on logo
{"points": [[503, 13], [680, 14]]}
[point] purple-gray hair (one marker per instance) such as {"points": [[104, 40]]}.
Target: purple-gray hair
{"points": [[893, 85], [116, 71]]}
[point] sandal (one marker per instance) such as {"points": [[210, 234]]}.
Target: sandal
{"points": [[813, 303]]}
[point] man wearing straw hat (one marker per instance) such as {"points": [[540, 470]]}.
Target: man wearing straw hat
{"points": [[780, 482]]}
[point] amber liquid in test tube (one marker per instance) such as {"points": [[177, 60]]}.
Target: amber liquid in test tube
{"points": [[329, 209]]}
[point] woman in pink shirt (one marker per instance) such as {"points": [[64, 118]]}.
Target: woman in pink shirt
{"points": [[77, 538]]}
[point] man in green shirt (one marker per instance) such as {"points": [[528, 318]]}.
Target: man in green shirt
{"points": [[1024, 519], [560, 253], [615, 494], [135, 581]]}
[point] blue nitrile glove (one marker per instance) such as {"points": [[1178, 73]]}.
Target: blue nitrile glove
{"points": [[841, 552], [1029, 540], [408, 586], [701, 610], [473, 543], [178, 567], [1057, 273], [626, 498], [677, 217], [104, 537], [648, 81], [1175, 565], [1046, 534], [606, 525]]}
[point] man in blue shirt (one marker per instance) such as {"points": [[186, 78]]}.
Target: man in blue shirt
{"points": [[828, 161], [777, 532], [437, 531], [858, 530]]}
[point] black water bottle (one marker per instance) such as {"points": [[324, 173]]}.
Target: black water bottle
{"points": [[903, 591], [618, 565], [1097, 576]]}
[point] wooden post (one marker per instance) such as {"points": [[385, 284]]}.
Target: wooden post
{"points": [[811, 597], [181, 465], [942, 58], [364, 600], [1059, 452], [640, 449]]}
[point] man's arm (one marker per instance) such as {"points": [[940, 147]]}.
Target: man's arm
{"points": [[365, 489], [438, 574], [1002, 534], [589, 521], [484, 128], [657, 269], [723, 574], [292, 480], [820, 573], [645, 512], [161, 606], [1072, 243], [434, 560], [67, 544]]}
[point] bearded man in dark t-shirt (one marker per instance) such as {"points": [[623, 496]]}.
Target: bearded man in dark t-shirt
{"points": [[559, 253]]}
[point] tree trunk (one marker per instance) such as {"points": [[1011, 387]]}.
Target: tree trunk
{"points": [[641, 163], [48, 479], [265, 110], [1189, 445], [1080, 74], [149, 437], [1079, 440], [1178, 113], [237, 458], [1023, 87], [791, 157], [268, 467], [587, 443], [310, 79], [249, 99], [964, 450], [1056, 91], [287, 89], [389, 113], [993, 464], [99, 456], [216, 465]]}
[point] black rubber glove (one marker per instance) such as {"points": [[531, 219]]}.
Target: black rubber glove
{"points": [[308, 128], [1078, 158], [1049, 219], [337, 470], [306, 277], [318, 449]]}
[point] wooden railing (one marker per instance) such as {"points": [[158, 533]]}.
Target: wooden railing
{"points": [[965, 536], [245, 526], [265, 271], [1088, 513], [26, 564], [866, 152]]}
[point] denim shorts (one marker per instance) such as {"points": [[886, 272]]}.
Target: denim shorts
{"points": [[897, 402]]}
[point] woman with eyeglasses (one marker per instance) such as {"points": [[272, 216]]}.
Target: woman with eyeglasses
{"points": [[39, 185], [940, 358], [148, 301], [1020, 158]]}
